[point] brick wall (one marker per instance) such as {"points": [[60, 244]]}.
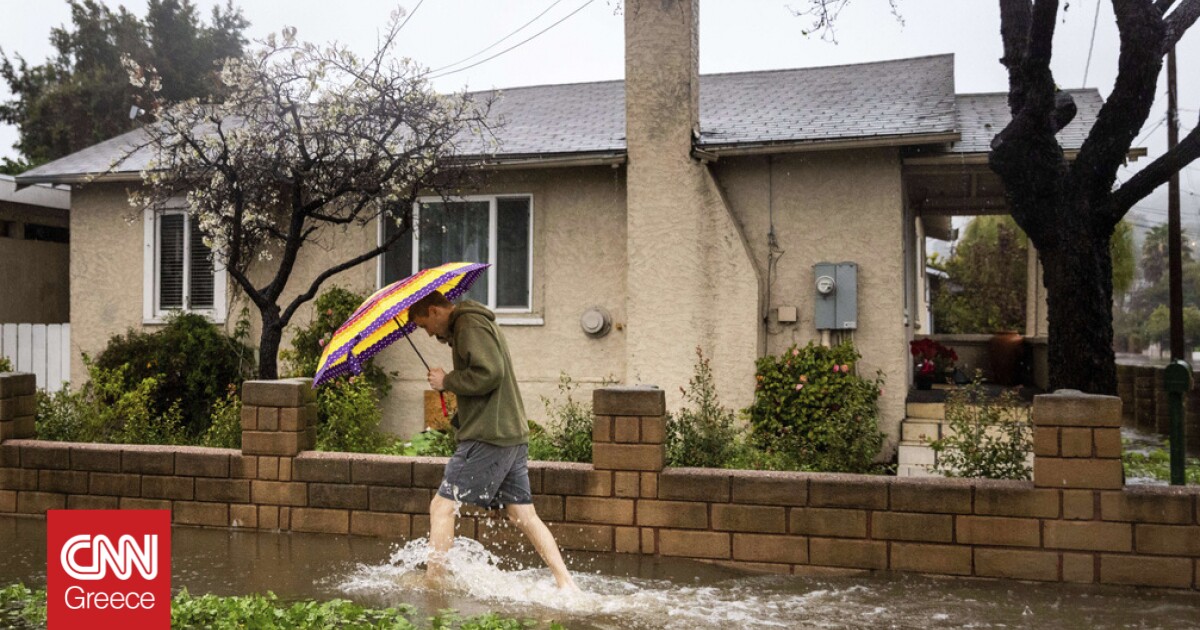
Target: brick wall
{"points": [[1144, 403], [1074, 522]]}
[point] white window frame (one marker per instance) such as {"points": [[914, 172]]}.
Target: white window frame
{"points": [[151, 247], [493, 236]]}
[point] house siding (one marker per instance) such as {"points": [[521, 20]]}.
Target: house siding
{"points": [[832, 206]]}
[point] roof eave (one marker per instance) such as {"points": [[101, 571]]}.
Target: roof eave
{"points": [[551, 160], [77, 178], [981, 157], [801, 146]]}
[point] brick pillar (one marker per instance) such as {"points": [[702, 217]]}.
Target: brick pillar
{"points": [[630, 428], [17, 405], [278, 417], [1077, 441], [278, 422]]}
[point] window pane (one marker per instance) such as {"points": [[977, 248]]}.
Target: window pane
{"points": [[170, 261], [512, 252], [453, 232], [397, 260], [200, 271]]}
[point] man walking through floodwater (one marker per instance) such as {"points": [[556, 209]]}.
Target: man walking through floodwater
{"points": [[488, 468]]}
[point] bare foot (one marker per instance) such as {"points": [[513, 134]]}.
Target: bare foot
{"points": [[568, 586]]}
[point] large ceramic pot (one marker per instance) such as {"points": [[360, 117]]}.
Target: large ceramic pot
{"points": [[1005, 349]]}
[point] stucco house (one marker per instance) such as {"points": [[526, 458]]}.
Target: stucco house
{"points": [[689, 209]]}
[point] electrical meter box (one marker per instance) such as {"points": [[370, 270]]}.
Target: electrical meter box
{"points": [[836, 287]]}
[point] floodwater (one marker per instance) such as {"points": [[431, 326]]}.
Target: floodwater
{"points": [[620, 591]]}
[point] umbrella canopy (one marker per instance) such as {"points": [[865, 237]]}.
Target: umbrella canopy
{"points": [[383, 318]]}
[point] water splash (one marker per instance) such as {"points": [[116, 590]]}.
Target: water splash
{"points": [[605, 601]]}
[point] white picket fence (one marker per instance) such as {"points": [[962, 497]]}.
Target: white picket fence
{"points": [[44, 349]]}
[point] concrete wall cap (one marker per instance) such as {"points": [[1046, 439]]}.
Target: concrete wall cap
{"points": [[629, 400], [292, 392], [1071, 408]]}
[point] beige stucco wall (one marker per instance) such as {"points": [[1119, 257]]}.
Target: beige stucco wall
{"points": [[692, 283], [106, 269], [34, 289], [578, 262], [831, 206]]}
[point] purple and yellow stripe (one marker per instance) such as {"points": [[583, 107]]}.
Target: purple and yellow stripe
{"points": [[383, 317]]}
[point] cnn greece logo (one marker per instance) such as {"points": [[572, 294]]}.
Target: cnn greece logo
{"points": [[122, 557], [108, 568]]}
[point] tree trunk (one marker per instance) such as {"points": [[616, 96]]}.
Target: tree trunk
{"points": [[1078, 280], [268, 345]]}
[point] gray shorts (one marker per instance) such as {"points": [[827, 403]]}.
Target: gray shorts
{"points": [[487, 475]]}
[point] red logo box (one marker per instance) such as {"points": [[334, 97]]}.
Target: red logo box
{"points": [[108, 569]]}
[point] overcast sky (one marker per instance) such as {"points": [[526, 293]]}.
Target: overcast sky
{"points": [[735, 35]]}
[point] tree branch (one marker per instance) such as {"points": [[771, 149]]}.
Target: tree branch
{"points": [[1015, 16], [1180, 20], [357, 260], [1155, 174], [1128, 105]]}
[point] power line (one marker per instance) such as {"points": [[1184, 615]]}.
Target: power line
{"points": [[499, 41], [409, 16], [1091, 44], [514, 46]]}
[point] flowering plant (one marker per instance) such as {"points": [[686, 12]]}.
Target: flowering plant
{"points": [[933, 358]]}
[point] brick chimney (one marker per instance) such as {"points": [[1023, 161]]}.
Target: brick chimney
{"points": [[691, 281]]}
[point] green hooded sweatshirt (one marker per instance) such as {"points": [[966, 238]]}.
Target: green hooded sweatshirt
{"points": [[489, 403]]}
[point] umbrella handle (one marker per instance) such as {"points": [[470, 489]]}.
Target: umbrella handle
{"points": [[445, 414]]}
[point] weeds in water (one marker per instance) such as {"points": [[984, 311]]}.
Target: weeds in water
{"points": [[22, 607], [1157, 465]]}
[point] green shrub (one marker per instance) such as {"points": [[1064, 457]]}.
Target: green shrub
{"points": [[348, 417], [225, 431], [429, 443], [989, 437], [703, 434], [5, 364], [569, 426], [192, 361], [107, 409], [811, 407], [331, 309], [541, 448]]}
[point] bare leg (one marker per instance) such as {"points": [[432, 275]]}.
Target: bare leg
{"points": [[441, 535], [526, 518]]}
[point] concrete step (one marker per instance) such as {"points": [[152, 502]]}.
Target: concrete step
{"points": [[915, 453], [915, 470], [920, 430], [926, 411]]}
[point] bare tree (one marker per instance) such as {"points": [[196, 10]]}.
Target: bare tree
{"points": [[1069, 210], [311, 143]]}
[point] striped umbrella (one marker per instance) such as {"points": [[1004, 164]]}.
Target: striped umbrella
{"points": [[383, 318]]}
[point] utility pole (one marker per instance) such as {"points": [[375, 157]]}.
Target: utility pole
{"points": [[1178, 376]]}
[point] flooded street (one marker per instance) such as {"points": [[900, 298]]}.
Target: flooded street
{"points": [[620, 591]]}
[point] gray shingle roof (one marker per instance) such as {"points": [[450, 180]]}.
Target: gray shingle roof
{"points": [[885, 99], [982, 116]]}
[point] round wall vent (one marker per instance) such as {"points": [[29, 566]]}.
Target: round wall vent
{"points": [[595, 322]]}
